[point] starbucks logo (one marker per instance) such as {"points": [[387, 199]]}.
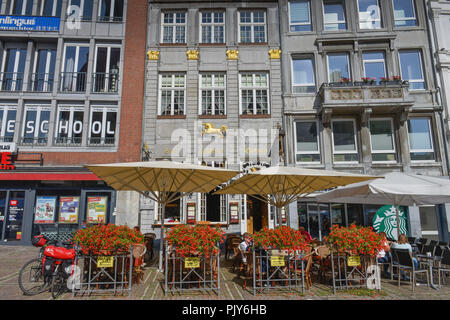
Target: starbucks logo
{"points": [[385, 221]]}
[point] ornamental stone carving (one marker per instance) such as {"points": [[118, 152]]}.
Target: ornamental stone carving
{"points": [[275, 53], [386, 93], [192, 54], [232, 54], [346, 94], [152, 55]]}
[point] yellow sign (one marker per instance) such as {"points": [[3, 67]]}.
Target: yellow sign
{"points": [[192, 262], [277, 261], [105, 262], [353, 261]]}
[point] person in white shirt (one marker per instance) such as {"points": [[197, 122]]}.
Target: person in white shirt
{"points": [[243, 246]]}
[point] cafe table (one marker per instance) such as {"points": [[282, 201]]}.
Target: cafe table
{"points": [[429, 261]]}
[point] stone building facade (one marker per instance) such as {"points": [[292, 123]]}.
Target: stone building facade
{"points": [[359, 94]]}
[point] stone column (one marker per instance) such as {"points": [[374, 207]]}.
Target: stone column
{"points": [[365, 139]]}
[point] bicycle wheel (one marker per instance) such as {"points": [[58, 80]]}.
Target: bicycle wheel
{"points": [[59, 284], [31, 279]]}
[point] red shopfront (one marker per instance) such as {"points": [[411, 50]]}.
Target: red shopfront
{"points": [[53, 203]]}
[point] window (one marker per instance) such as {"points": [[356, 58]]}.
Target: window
{"points": [[85, 9], [307, 147], [374, 65], [412, 68], [13, 67], [404, 13], [74, 72], [172, 88], [7, 123], [43, 75], [106, 75], [69, 125], [174, 27], [344, 141], [338, 66], [212, 93], [103, 126], [212, 27], [299, 16], [36, 122], [252, 26], [20, 7], [420, 139], [369, 14], [50, 8], [334, 15], [110, 10], [382, 140], [303, 80], [213, 206], [254, 89]]}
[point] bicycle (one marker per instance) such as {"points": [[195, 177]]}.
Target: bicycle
{"points": [[50, 269]]}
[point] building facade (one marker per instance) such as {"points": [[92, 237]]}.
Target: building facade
{"points": [[360, 95], [213, 97], [71, 82]]}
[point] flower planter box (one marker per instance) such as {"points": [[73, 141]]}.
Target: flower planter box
{"points": [[365, 83], [392, 82]]}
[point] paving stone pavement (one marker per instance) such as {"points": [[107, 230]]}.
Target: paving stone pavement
{"points": [[12, 258]]}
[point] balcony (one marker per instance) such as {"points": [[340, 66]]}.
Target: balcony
{"points": [[73, 82], [105, 82], [11, 81], [41, 82], [387, 96]]}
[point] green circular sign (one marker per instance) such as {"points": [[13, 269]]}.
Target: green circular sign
{"points": [[385, 221]]}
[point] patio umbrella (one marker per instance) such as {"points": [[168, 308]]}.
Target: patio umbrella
{"points": [[280, 185], [161, 181], [398, 189]]}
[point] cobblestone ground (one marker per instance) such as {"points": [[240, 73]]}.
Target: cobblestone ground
{"points": [[151, 288]]}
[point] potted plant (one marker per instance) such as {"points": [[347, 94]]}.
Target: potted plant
{"points": [[284, 238], [346, 81], [200, 239], [107, 239]]}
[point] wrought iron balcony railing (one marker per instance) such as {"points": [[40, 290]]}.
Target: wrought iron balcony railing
{"points": [[41, 82], [73, 82], [11, 81]]}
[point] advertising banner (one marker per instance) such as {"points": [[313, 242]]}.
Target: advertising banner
{"points": [[96, 209], [68, 209], [385, 220], [45, 209], [29, 23]]}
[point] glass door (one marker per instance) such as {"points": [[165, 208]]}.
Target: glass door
{"points": [[313, 220], [74, 71], [13, 68], [14, 218]]}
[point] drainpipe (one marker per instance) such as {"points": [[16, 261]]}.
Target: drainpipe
{"points": [[432, 36]]}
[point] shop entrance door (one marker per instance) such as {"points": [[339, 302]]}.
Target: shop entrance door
{"points": [[257, 214], [12, 226]]}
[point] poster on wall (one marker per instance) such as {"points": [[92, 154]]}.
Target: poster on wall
{"points": [[191, 210], [68, 209], [96, 209], [45, 209], [385, 220], [234, 212]]}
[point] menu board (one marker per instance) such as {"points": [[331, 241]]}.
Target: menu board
{"points": [[191, 210], [96, 209], [45, 209], [68, 209], [234, 212]]}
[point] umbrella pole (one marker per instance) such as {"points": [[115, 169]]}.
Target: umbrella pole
{"points": [[398, 221], [161, 243], [280, 221]]}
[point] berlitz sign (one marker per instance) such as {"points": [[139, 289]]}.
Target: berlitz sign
{"points": [[8, 147]]}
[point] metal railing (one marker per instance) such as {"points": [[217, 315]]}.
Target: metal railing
{"points": [[109, 19], [66, 141], [116, 277], [277, 269], [105, 82], [100, 142], [73, 82], [354, 271], [40, 141], [11, 81], [7, 139], [41, 82], [199, 273]]}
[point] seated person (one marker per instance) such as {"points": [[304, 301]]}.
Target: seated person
{"points": [[305, 234], [384, 255], [402, 243], [244, 246]]}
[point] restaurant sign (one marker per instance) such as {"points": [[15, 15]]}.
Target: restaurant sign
{"points": [[6, 151], [385, 220], [29, 23]]}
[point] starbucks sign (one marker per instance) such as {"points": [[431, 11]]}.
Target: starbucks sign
{"points": [[385, 221]]}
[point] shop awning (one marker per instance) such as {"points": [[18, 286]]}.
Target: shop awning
{"points": [[45, 176]]}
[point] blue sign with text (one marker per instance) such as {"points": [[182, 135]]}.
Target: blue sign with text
{"points": [[29, 23]]}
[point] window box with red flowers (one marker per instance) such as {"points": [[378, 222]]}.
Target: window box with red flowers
{"points": [[107, 239]]}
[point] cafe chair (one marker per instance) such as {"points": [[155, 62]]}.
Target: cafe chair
{"points": [[444, 265], [232, 241], [138, 255], [406, 263], [148, 242]]}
